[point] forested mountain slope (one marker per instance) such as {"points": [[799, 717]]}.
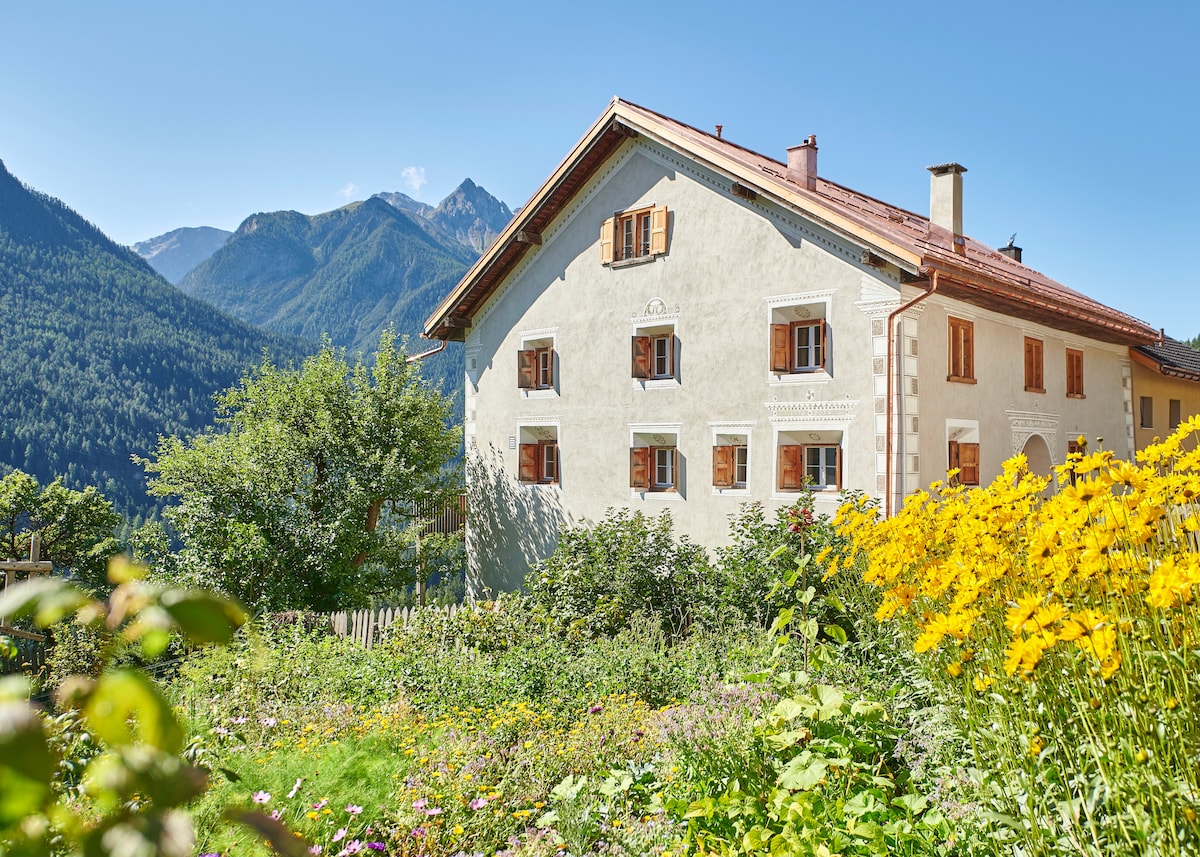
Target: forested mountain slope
{"points": [[100, 353]]}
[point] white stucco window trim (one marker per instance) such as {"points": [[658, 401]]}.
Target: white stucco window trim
{"points": [[817, 418], [657, 318], [742, 429], [538, 339], [661, 433], [777, 303]]}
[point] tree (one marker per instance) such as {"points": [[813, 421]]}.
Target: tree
{"points": [[75, 529], [300, 498]]}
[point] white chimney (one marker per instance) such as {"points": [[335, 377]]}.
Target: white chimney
{"points": [[945, 198], [802, 163]]}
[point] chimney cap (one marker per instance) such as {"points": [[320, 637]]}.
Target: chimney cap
{"points": [[810, 143], [942, 169]]}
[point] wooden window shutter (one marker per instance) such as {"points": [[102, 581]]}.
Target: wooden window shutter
{"points": [[722, 466], [606, 241], [791, 468], [781, 346], [641, 357], [527, 469], [674, 351], [658, 230], [968, 461], [825, 340], [1030, 371], [839, 467], [526, 369], [675, 468], [639, 467], [968, 350], [952, 456]]}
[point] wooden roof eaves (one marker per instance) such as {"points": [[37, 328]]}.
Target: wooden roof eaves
{"points": [[493, 261], [1155, 365], [1057, 314]]}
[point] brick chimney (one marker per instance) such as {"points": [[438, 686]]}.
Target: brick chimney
{"points": [[945, 198], [1011, 250], [802, 163]]}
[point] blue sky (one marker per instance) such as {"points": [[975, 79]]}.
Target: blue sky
{"points": [[1077, 121]]}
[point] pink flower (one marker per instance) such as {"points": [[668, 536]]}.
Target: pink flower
{"points": [[478, 803], [314, 849], [260, 797], [434, 811], [277, 814], [340, 835], [321, 804], [352, 809], [419, 803], [238, 721], [352, 847]]}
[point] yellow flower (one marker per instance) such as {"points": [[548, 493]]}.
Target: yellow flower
{"points": [[954, 669]]}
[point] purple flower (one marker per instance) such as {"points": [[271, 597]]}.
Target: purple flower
{"points": [[260, 797], [352, 809], [376, 846], [418, 832], [595, 709], [340, 835], [211, 854], [478, 803]]}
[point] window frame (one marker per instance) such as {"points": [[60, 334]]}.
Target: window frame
{"points": [[1035, 365], [531, 462], [645, 356], [1146, 412], [1075, 373], [785, 347], [538, 364], [1174, 413], [960, 333], [799, 467], [634, 235], [968, 472], [646, 459]]}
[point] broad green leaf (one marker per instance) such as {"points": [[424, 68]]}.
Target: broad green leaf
{"points": [[830, 701], [202, 616], [790, 738], [26, 763], [804, 772], [836, 633], [46, 599], [126, 708], [788, 710], [913, 804], [807, 629], [868, 710], [756, 838]]}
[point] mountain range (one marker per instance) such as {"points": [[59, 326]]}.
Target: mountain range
{"points": [[101, 354], [180, 250]]}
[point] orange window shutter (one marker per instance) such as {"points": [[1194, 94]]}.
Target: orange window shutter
{"points": [[1030, 380], [639, 467], [641, 357], [606, 241], [825, 340], [968, 461], [527, 469], [952, 457], [722, 466], [781, 342], [659, 218], [526, 368], [968, 351], [791, 467]]}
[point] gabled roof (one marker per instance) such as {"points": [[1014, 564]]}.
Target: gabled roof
{"points": [[1172, 358], [979, 274]]}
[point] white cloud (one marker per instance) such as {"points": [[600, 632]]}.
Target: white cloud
{"points": [[414, 177], [348, 191]]}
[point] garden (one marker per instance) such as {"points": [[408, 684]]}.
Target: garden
{"points": [[1010, 669]]}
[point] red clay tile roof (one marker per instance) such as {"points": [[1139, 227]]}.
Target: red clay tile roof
{"points": [[979, 275]]}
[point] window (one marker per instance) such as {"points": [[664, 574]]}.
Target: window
{"points": [[1174, 414], [1074, 373], [1034, 381], [731, 465], [965, 457], [632, 235], [653, 468], [1146, 412], [535, 368], [799, 346], [817, 466], [539, 462], [962, 351], [654, 355]]}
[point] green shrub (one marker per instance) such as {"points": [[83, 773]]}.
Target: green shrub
{"points": [[600, 576]]}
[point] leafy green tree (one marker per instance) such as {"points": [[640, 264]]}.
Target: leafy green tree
{"points": [[75, 528], [302, 497]]}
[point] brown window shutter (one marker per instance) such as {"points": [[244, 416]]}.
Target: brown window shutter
{"points": [[639, 467], [968, 461], [722, 466], [824, 328], [781, 346], [839, 468], [641, 357], [526, 369], [1030, 376], [606, 241], [952, 456], [658, 230], [674, 351], [791, 468], [968, 350], [527, 470]]}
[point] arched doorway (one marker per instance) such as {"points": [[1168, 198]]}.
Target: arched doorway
{"points": [[1037, 453]]}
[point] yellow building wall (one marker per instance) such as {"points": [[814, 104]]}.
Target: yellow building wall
{"points": [[1160, 389]]}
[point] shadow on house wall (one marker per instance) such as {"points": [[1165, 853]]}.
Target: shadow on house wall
{"points": [[510, 526]]}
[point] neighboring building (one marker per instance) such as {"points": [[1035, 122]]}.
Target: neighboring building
{"points": [[1166, 389], [674, 322]]}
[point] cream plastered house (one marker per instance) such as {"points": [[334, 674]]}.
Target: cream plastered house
{"points": [[674, 322]]}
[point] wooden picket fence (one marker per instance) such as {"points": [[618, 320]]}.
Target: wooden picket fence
{"points": [[366, 626]]}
